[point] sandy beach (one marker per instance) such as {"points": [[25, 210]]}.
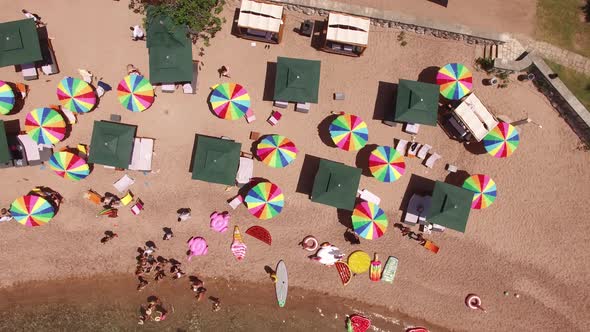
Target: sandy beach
{"points": [[530, 241]]}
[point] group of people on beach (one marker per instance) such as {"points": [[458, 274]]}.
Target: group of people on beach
{"points": [[152, 310], [148, 263]]}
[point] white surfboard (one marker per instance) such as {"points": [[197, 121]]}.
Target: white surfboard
{"points": [[282, 284]]}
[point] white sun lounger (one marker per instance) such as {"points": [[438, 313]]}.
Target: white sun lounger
{"points": [[413, 149], [141, 158], [71, 117], [412, 128], [29, 71], [169, 88], [123, 184], [234, 203], [281, 104], [31, 148], [430, 161], [302, 107], [250, 117], [368, 196], [245, 171], [423, 151], [402, 146], [187, 88]]}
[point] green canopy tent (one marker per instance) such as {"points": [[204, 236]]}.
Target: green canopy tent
{"points": [[336, 185], [297, 80], [170, 50], [417, 102], [216, 160], [19, 43], [112, 144], [5, 155], [450, 206]]}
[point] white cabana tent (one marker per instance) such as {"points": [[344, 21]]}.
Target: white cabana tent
{"points": [[475, 117], [261, 21], [346, 34]]}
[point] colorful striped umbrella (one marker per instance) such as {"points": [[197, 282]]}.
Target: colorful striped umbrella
{"points": [[501, 141], [76, 95], [369, 220], [386, 164], [349, 132], [276, 151], [32, 210], [6, 98], [135, 93], [455, 81], [69, 166], [230, 101], [484, 189], [45, 125], [265, 200]]}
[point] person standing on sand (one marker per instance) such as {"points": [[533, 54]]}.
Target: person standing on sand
{"points": [[183, 214], [108, 235], [167, 234], [223, 72], [137, 33]]}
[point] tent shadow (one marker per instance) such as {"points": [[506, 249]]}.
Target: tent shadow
{"points": [[428, 75], [317, 37], [324, 130], [362, 158], [476, 148], [345, 218], [307, 175], [457, 178], [385, 101], [417, 185], [269, 81]]}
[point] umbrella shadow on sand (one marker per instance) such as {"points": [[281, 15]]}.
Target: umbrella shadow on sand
{"points": [[362, 158], [428, 75], [324, 130], [243, 191], [476, 148], [457, 178]]}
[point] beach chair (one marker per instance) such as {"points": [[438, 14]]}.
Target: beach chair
{"points": [[274, 118], [338, 96], [82, 150], [137, 207], [451, 168], [187, 88], [402, 146], [302, 107], [412, 128], [431, 160], [29, 71], [128, 198], [250, 117], [423, 151], [168, 88], [414, 147], [235, 202], [431, 246], [123, 183], [368, 196], [245, 171], [93, 196], [281, 104], [115, 118], [70, 116]]}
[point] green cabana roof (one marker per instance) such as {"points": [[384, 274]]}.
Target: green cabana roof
{"points": [[450, 206], [417, 102], [216, 160], [19, 43], [112, 144], [5, 155], [336, 185], [297, 80], [170, 51]]}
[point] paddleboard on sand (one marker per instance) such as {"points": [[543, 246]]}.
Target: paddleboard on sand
{"points": [[282, 284], [390, 269]]}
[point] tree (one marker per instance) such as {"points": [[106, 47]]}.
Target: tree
{"points": [[200, 16]]}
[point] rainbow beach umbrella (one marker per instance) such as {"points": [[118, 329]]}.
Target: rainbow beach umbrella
{"points": [[386, 164], [501, 141], [230, 101], [369, 220], [32, 210], [276, 151], [455, 81], [349, 132], [135, 93], [69, 166], [76, 95], [265, 200], [6, 98], [45, 125], [484, 190]]}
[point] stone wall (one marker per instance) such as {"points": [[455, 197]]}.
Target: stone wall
{"points": [[390, 19]]}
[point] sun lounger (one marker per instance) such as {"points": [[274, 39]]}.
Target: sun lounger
{"points": [[29, 71], [402, 146], [412, 128], [250, 117], [281, 104], [187, 88], [70, 116], [31, 148], [123, 184], [431, 246], [368, 196], [137, 207], [451, 168], [128, 198], [430, 161], [168, 88], [302, 107], [414, 147], [423, 151], [245, 171], [234, 203], [82, 150], [141, 158], [274, 118], [338, 96], [93, 196]]}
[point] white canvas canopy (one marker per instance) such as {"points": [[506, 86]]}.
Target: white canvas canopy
{"points": [[348, 29], [260, 16], [476, 117]]}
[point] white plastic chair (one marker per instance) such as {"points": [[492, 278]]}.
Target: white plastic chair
{"points": [[431, 160]]}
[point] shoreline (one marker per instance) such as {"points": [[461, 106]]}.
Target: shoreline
{"points": [[111, 300]]}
